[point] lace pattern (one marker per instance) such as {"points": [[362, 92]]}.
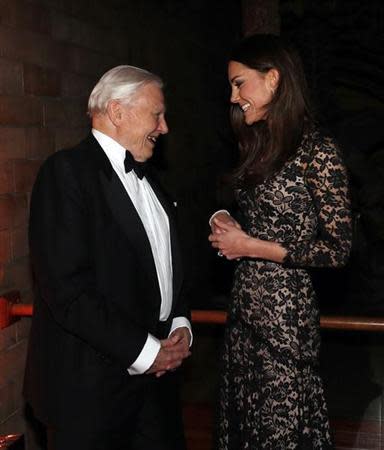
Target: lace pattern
{"points": [[271, 393]]}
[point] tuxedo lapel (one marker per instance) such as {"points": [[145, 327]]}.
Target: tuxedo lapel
{"points": [[127, 217], [118, 199], [129, 220], [123, 210]]}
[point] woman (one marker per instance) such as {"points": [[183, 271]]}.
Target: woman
{"points": [[291, 188]]}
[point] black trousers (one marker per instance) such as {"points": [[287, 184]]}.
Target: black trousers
{"points": [[156, 425]]}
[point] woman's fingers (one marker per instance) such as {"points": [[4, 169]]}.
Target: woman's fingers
{"points": [[223, 225]]}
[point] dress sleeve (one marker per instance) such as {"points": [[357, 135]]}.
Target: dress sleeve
{"points": [[327, 182]]}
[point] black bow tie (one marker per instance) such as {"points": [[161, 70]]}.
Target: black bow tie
{"points": [[138, 167]]}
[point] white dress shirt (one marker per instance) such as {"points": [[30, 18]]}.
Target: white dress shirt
{"points": [[156, 224]]}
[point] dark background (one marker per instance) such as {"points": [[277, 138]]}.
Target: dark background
{"points": [[341, 43]]}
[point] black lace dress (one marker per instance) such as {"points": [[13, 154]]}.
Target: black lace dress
{"points": [[271, 394]]}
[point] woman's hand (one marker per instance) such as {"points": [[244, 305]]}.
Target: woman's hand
{"points": [[222, 216], [234, 243], [228, 237]]}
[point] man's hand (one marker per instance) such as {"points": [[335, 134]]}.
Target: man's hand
{"points": [[184, 336], [172, 353]]}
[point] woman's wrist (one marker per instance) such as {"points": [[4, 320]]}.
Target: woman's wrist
{"points": [[249, 246], [257, 248]]}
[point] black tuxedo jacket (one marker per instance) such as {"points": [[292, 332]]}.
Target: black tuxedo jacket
{"points": [[97, 292]]}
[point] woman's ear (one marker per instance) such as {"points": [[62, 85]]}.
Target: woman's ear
{"points": [[273, 77]]}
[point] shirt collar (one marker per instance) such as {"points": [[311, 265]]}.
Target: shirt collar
{"points": [[114, 151]]}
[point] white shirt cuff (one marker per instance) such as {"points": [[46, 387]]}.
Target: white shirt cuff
{"points": [[179, 322], [217, 212], [146, 357]]}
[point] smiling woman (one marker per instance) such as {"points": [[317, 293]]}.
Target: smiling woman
{"points": [[292, 192], [252, 90]]}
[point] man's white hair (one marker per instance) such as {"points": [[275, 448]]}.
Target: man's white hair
{"points": [[119, 83]]}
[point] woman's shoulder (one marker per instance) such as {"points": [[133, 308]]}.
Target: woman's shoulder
{"points": [[318, 142]]}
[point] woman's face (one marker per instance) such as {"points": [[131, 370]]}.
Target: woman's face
{"points": [[251, 90]]}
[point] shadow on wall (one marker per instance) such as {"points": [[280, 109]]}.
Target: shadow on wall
{"points": [[35, 431], [359, 288], [362, 137], [340, 44]]}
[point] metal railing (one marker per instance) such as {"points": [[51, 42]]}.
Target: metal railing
{"points": [[330, 322], [11, 310]]}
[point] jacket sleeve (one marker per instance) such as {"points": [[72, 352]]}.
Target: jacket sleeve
{"points": [[326, 180], [63, 269]]}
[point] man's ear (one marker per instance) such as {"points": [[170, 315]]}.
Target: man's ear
{"points": [[115, 112]]}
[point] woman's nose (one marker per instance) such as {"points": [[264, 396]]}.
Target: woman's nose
{"points": [[234, 96]]}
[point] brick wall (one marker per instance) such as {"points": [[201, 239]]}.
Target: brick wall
{"points": [[51, 54]]}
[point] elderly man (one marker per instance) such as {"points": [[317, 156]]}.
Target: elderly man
{"points": [[110, 324]]}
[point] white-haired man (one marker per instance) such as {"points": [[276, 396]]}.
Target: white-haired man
{"points": [[110, 324]]}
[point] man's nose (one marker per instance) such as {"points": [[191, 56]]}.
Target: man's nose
{"points": [[163, 127]]}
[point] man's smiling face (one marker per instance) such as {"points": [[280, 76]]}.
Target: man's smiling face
{"points": [[142, 121]]}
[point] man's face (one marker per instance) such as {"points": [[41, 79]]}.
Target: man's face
{"points": [[142, 121]]}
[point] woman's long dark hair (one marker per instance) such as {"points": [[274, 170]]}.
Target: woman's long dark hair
{"points": [[266, 145]]}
